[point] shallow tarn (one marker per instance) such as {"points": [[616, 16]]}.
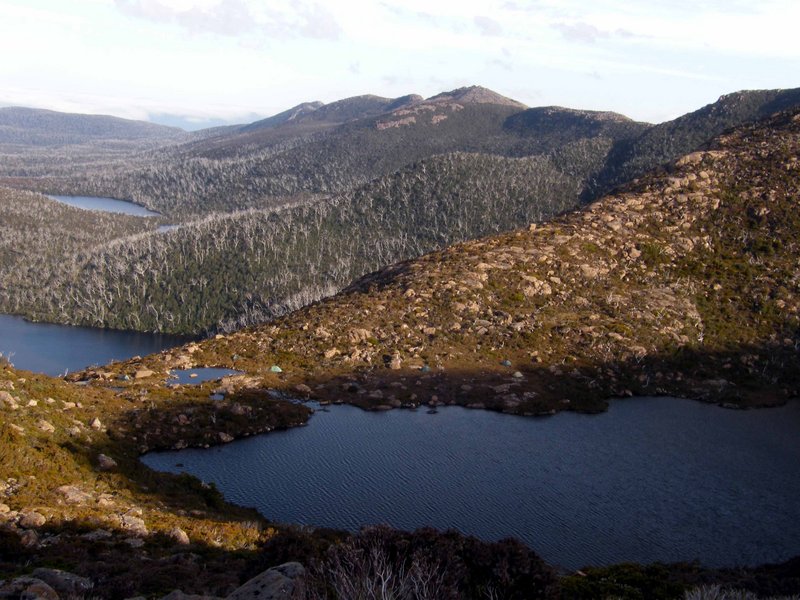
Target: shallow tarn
{"points": [[199, 375], [654, 479], [125, 207]]}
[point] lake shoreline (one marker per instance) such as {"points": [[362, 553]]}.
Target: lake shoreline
{"points": [[426, 439], [169, 504]]}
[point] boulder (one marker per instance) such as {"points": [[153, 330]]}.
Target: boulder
{"points": [[45, 426], [106, 463], [96, 424], [133, 525], [32, 519], [8, 400], [179, 595], [278, 583], [589, 272], [73, 494], [302, 388], [29, 588], [97, 535], [143, 374], [358, 335], [179, 536], [66, 584], [237, 409], [29, 538]]}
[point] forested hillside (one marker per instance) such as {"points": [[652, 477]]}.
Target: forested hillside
{"points": [[667, 141], [40, 238], [230, 270]]}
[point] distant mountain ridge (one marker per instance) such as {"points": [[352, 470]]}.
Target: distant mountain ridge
{"points": [[38, 127], [332, 148], [475, 94], [319, 150], [316, 117]]}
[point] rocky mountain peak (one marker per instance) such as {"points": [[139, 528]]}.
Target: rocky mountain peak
{"points": [[474, 95]]}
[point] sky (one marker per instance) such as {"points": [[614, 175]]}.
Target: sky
{"points": [[198, 63]]}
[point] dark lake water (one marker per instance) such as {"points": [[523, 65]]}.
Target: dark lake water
{"points": [[106, 205], [654, 479], [53, 349]]}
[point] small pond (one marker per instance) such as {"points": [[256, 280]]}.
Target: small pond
{"points": [[653, 479], [199, 375], [106, 205]]}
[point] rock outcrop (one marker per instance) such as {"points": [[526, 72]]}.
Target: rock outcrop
{"points": [[277, 583]]}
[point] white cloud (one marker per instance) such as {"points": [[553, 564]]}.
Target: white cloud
{"points": [[581, 32], [223, 58], [488, 26], [238, 17]]}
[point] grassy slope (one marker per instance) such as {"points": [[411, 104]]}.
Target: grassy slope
{"points": [[48, 441]]}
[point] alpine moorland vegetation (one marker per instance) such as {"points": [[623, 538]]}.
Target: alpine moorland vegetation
{"points": [[685, 282]]}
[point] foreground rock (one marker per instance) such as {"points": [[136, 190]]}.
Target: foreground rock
{"points": [[277, 583], [28, 588], [66, 584], [283, 582]]}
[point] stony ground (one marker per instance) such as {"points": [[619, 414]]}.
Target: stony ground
{"points": [[683, 283]]}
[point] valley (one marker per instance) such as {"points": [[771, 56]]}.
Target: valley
{"points": [[360, 194], [543, 261]]}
